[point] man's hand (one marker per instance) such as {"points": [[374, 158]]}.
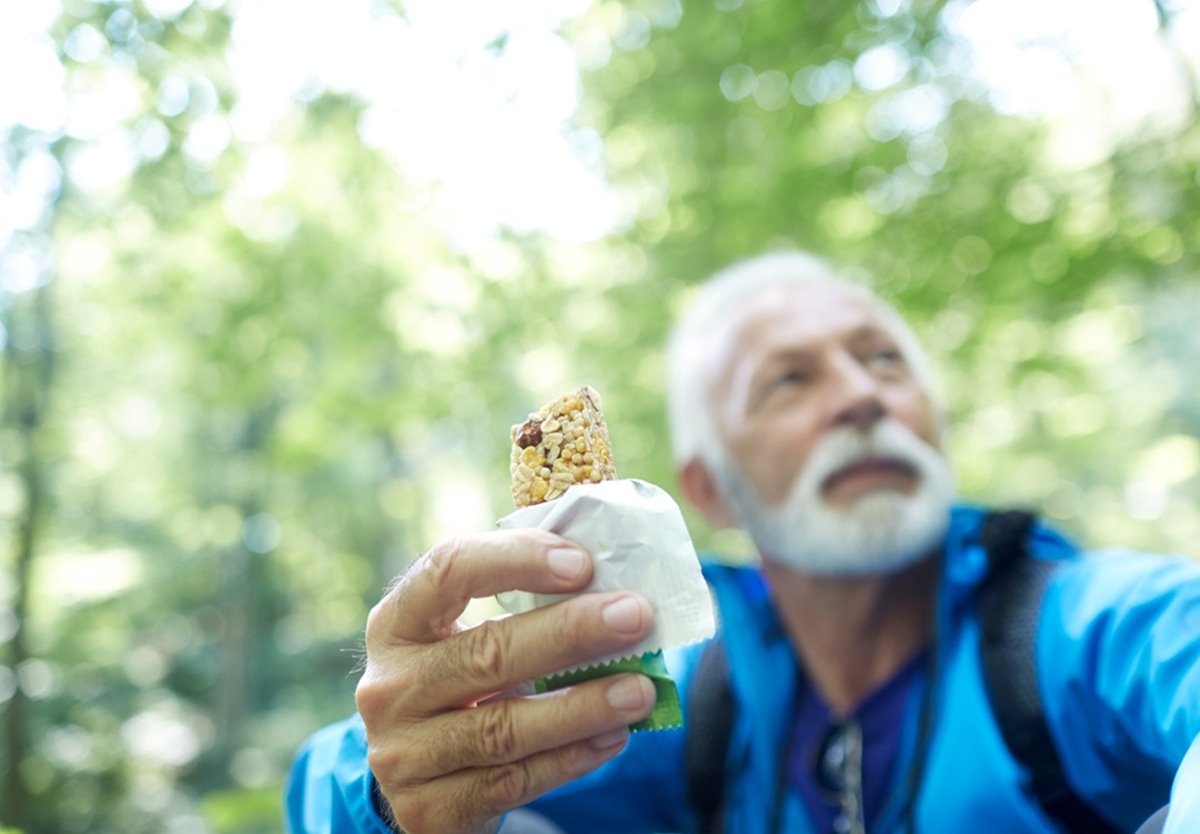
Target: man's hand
{"points": [[448, 756]]}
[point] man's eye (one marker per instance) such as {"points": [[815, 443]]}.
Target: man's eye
{"points": [[887, 358], [788, 378]]}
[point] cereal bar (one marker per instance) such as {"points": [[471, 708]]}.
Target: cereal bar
{"points": [[562, 444]]}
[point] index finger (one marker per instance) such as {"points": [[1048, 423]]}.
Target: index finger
{"points": [[427, 600]]}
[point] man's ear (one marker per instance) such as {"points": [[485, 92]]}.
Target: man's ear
{"points": [[700, 488]]}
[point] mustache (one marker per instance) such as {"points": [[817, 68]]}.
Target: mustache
{"points": [[878, 535], [889, 443]]}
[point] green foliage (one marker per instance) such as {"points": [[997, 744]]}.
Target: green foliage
{"points": [[243, 811], [266, 402], [1039, 289]]}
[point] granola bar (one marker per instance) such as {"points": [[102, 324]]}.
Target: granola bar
{"points": [[562, 444]]}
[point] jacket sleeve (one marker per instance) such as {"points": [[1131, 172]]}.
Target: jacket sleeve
{"points": [[329, 789], [1118, 660], [641, 790]]}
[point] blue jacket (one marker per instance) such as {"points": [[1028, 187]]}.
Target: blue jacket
{"points": [[1118, 662]]}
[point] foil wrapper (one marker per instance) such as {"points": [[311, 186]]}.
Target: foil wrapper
{"points": [[638, 542]]}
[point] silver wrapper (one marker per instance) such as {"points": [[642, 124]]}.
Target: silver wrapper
{"points": [[639, 542]]}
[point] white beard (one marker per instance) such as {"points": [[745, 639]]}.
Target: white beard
{"points": [[879, 533]]}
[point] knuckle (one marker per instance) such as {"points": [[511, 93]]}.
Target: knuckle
{"points": [[487, 647], [367, 698], [393, 766], [510, 784], [575, 760], [497, 737], [383, 764], [386, 704], [564, 619], [441, 562], [375, 620], [566, 626], [375, 696]]}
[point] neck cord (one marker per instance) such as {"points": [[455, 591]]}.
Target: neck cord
{"points": [[916, 769]]}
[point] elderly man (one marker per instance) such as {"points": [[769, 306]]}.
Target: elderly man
{"points": [[856, 692]]}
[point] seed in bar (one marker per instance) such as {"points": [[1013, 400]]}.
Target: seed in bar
{"points": [[563, 444]]}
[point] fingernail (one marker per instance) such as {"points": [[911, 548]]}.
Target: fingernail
{"points": [[630, 694], [625, 615], [610, 739], [566, 562]]}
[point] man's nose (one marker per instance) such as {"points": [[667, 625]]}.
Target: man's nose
{"points": [[858, 404]]}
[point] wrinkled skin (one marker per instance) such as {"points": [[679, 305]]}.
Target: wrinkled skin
{"points": [[452, 740]]}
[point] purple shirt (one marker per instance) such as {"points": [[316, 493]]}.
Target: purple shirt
{"points": [[881, 717]]}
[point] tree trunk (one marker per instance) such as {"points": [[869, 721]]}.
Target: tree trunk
{"points": [[238, 693], [29, 366]]}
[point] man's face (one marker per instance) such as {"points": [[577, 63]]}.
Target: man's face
{"points": [[832, 446]]}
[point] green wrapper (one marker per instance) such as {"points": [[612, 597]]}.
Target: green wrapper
{"points": [[666, 713]]}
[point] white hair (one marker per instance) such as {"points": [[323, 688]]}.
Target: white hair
{"points": [[719, 308]]}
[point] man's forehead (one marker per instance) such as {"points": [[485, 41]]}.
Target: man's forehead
{"points": [[794, 317]]}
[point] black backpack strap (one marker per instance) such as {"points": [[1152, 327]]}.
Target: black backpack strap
{"points": [[708, 724], [1010, 603]]}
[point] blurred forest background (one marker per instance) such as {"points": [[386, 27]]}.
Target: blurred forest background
{"points": [[276, 277]]}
